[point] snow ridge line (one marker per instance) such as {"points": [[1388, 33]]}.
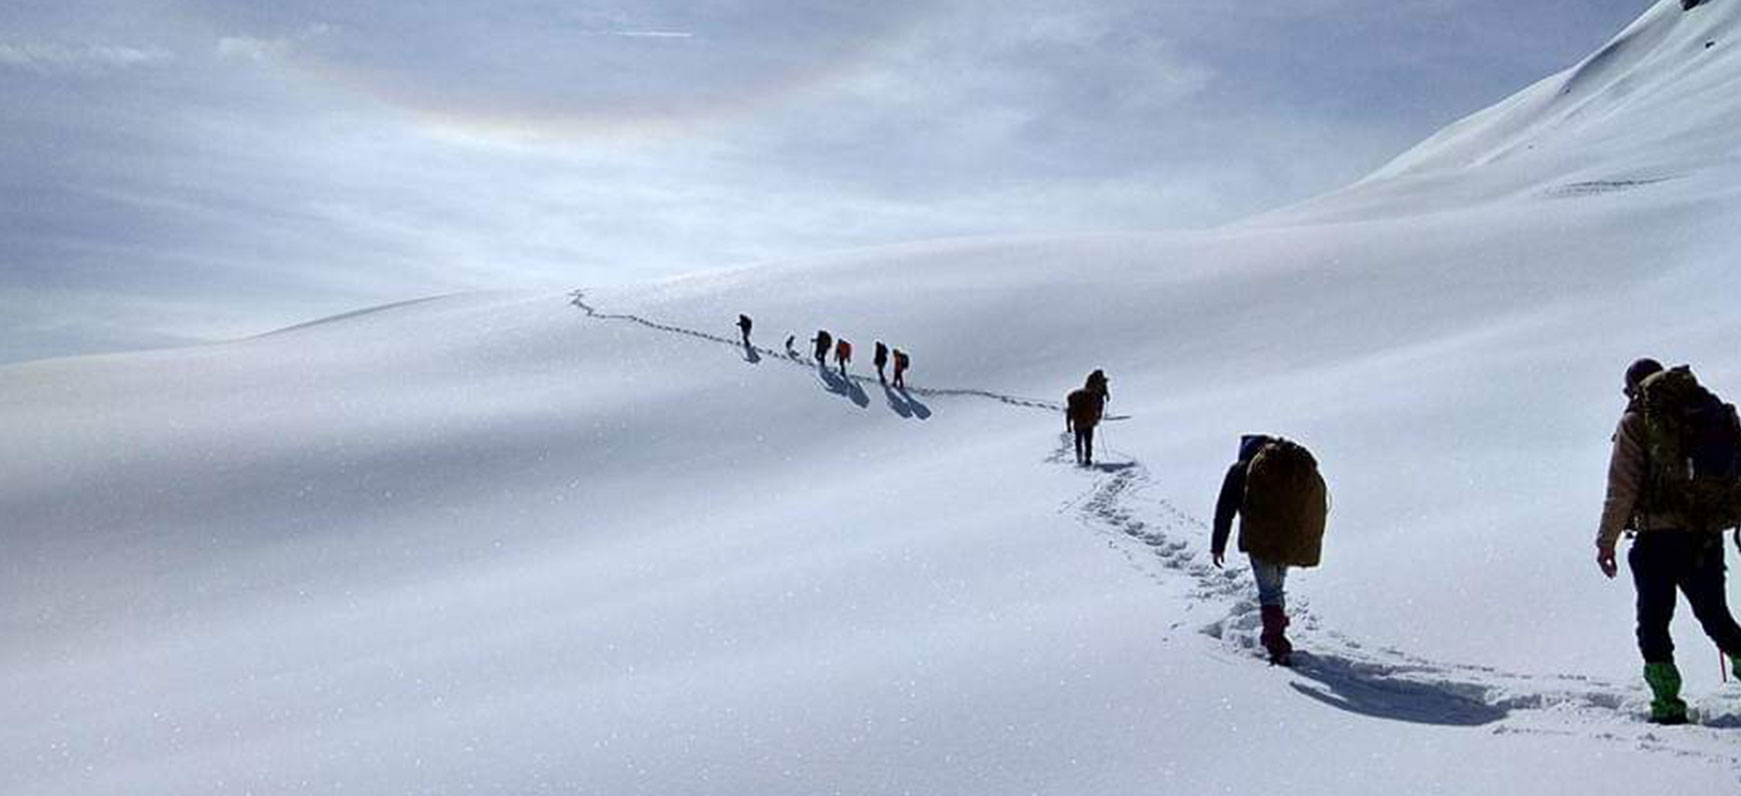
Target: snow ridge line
{"points": [[578, 299], [1331, 667], [1166, 543]]}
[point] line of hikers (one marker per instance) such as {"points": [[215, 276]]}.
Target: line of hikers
{"points": [[1674, 487], [825, 343]]}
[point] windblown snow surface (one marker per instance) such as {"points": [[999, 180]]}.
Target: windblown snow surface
{"points": [[587, 544]]}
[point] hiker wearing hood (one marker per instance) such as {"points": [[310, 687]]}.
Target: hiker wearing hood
{"points": [[744, 324], [824, 343], [881, 359], [1083, 410], [1282, 502], [901, 365], [1671, 548]]}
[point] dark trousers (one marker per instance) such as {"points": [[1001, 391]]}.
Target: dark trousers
{"points": [[1084, 444], [1663, 561]]}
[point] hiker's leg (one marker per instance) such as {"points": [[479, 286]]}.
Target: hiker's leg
{"points": [[1704, 586], [1653, 574], [1088, 445], [1271, 582], [1078, 436], [1272, 609]]}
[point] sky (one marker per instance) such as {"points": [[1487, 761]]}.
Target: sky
{"points": [[184, 171]]}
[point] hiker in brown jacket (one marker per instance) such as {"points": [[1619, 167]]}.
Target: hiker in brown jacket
{"points": [[1666, 555]]}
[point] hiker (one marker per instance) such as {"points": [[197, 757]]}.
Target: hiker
{"points": [[1083, 410], [744, 326], [842, 355], [1674, 442], [1282, 504], [901, 365], [880, 359], [824, 343], [1688, 5], [790, 351]]}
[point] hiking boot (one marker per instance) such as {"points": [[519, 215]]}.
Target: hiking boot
{"points": [[1274, 638], [1666, 706]]}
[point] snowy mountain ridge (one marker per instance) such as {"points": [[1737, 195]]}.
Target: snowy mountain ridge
{"points": [[1652, 105]]}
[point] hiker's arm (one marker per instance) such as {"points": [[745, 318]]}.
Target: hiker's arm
{"points": [[1626, 466], [1226, 506]]}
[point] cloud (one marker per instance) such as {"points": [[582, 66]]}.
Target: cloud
{"points": [[52, 58], [252, 48], [650, 34], [255, 48]]}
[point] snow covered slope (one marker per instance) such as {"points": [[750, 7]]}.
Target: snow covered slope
{"points": [[537, 544], [1655, 105]]}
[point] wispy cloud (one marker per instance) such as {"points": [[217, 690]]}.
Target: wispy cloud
{"points": [[47, 58], [649, 34], [256, 48], [252, 48]]}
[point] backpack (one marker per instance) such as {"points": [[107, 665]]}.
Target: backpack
{"points": [[1084, 407], [1286, 505], [1692, 440]]}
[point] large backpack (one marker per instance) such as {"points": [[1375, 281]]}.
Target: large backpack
{"points": [[1085, 407], [1692, 440], [1285, 508]]}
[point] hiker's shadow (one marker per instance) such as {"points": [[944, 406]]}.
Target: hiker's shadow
{"points": [[1111, 467], [919, 410], [896, 402], [841, 385], [1376, 691]]}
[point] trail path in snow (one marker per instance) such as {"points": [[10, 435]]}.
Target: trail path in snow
{"points": [[1167, 544]]}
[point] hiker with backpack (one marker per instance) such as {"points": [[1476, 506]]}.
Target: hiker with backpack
{"points": [[824, 343], [1282, 504], [744, 324], [1083, 410], [881, 359], [901, 365], [1674, 485], [842, 355]]}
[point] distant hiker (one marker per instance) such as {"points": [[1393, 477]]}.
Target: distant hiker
{"points": [[842, 355], [901, 365], [790, 351], [824, 343], [880, 359], [1083, 410], [1674, 484], [744, 326], [1282, 504], [1687, 5]]}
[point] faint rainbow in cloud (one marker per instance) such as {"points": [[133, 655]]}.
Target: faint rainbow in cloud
{"points": [[558, 116]]}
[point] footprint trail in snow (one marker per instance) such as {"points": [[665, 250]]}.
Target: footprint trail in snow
{"points": [[1170, 545]]}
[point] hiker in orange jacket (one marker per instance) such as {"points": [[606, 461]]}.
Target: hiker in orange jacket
{"points": [[842, 354]]}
